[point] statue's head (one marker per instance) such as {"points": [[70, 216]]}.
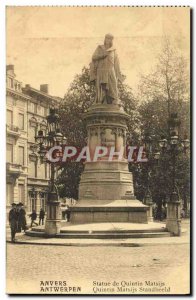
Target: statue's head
{"points": [[108, 42]]}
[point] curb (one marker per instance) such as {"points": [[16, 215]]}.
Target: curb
{"points": [[120, 244]]}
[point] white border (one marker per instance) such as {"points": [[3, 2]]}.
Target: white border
{"points": [[98, 2], [3, 4]]}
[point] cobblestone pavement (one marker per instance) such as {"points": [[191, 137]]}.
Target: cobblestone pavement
{"points": [[27, 265]]}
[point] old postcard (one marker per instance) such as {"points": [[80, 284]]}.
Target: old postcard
{"points": [[98, 150]]}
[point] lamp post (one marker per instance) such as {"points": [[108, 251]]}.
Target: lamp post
{"points": [[173, 146], [152, 156], [46, 140]]}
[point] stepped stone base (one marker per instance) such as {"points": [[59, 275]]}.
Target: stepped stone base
{"points": [[105, 231], [131, 211]]}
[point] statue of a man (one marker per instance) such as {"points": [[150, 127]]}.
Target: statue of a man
{"points": [[105, 72]]}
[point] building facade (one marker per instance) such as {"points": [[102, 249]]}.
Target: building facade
{"points": [[26, 177]]}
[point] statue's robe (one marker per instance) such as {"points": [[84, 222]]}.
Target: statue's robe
{"points": [[105, 72]]}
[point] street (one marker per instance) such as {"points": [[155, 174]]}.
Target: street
{"points": [[27, 265]]}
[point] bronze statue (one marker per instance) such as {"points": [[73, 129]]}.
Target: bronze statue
{"points": [[105, 72]]}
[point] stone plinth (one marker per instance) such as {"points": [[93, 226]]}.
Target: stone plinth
{"points": [[53, 221], [96, 211], [106, 191], [173, 222], [148, 201]]}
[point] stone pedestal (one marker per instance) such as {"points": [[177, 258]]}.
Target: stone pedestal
{"points": [[150, 212], [149, 203], [106, 188], [173, 222], [53, 221], [109, 211]]}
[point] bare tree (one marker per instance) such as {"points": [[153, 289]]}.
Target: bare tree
{"points": [[169, 82]]}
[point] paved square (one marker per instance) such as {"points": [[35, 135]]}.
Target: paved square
{"points": [[27, 265]]}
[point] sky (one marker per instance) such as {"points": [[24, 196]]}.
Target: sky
{"points": [[50, 45]]}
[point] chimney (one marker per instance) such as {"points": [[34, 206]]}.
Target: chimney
{"points": [[10, 67], [44, 88], [10, 70]]}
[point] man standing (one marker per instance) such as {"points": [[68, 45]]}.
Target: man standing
{"points": [[105, 72], [68, 212], [18, 229], [13, 220], [22, 217], [41, 216]]}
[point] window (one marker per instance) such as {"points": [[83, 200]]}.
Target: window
{"points": [[33, 122], [43, 125], [9, 117], [32, 107], [45, 111], [35, 108], [34, 203], [21, 121], [21, 193], [9, 193], [41, 110], [32, 169], [31, 134], [11, 83], [21, 155], [46, 171], [33, 200], [10, 152], [43, 200]]}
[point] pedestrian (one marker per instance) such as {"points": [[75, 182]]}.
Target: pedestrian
{"points": [[41, 216], [68, 212], [17, 213], [164, 213], [13, 221], [33, 217], [183, 213], [154, 211], [22, 223]]}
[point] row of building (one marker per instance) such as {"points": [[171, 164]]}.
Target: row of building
{"points": [[26, 111]]}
